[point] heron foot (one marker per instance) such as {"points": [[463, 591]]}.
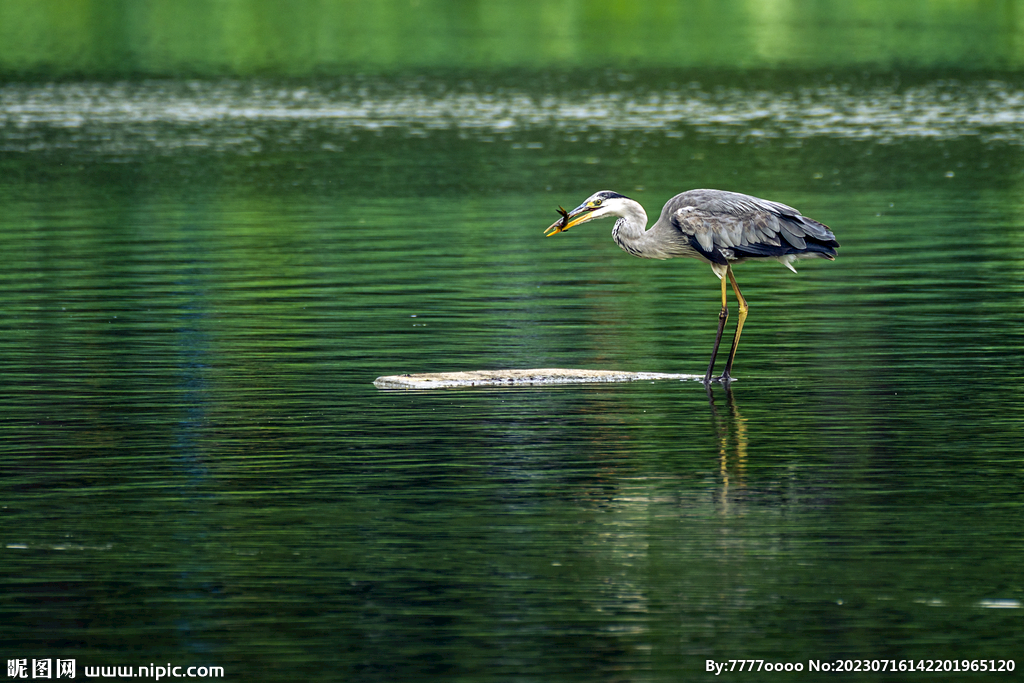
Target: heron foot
{"points": [[724, 379]]}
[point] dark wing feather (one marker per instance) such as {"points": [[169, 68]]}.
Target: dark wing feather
{"points": [[699, 233], [723, 226]]}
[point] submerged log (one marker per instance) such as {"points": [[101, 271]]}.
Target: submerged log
{"points": [[506, 378]]}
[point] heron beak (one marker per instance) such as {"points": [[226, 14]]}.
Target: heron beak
{"points": [[569, 219]]}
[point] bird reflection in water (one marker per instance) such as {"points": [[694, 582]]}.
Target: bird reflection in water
{"points": [[731, 434]]}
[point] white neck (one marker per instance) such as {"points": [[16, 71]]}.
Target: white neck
{"points": [[630, 231]]}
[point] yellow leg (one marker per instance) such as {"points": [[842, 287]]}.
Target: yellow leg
{"points": [[727, 375], [722, 317]]}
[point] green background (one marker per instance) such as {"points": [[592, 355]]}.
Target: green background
{"points": [[109, 39]]}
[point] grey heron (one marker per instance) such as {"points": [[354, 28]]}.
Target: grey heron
{"points": [[717, 227]]}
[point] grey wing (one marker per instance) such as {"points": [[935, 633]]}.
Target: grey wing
{"points": [[726, 226]]}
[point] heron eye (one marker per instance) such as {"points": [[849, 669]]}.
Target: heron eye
{"points": [[596, 203]]}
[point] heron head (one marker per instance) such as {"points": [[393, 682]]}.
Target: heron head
{"points": [[598, 205]]}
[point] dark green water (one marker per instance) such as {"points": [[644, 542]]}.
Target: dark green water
{"points": [[203, 278]]}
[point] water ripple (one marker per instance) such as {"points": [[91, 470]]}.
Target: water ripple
{"points": [[125, 117]]}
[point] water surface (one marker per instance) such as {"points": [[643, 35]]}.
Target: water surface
{"points": [[203, 279]]}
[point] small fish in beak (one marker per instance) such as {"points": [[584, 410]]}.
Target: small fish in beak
{"points": [[559, 225]]}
